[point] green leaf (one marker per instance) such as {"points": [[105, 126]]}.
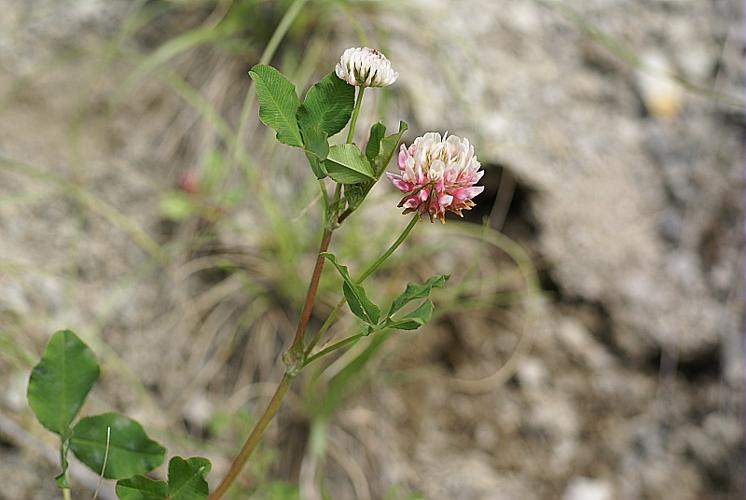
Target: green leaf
{"points": [[355, 193], [315, 143], [415, 319], [59, 384], [360, 305], [131, 451], [278, 103], [62, 480], [416, 291], [347, 165], [141, 488], [387, 149], [328, 104], [378, 152], [186, 478], [377, 132]]}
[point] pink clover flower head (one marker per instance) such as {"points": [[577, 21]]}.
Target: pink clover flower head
{"points": [[438, 175], [365, 67]]}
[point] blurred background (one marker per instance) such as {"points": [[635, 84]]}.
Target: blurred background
{"points": [[588, 346]]}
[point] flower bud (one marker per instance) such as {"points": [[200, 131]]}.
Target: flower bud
{"points": [[364, 67]]}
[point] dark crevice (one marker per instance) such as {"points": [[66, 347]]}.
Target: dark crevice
{"points": [[6, 445], [511, 213], [704, 367]]}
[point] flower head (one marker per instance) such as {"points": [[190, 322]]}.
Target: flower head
{"points": [[365, 67], [438, 175]]}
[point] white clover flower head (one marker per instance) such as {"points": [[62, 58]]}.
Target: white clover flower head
{"points": [[438, 175], [365, 67]]}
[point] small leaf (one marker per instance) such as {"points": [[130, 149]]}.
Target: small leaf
{"points": [[62, 480], [360, 305], [355, 193], [131, 451], [347, 165], [416, 291], [387, 149], [377, 132], [378, 152], [416, 318], [328, 104], [141, 488], [278, 103], [186, 478], [59, 384]]}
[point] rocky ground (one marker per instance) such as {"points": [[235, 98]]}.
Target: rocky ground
{"points": [[612, 136]]}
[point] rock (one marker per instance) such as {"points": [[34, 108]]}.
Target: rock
{"points": [[576, 338], [662, 96], [583, 488], [532, 373]]}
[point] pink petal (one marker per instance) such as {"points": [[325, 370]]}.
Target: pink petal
{"points": [[466, 193], [399, 183], [412, 202], [402, 157], [445, 200]]}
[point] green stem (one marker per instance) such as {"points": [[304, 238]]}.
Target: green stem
{"points": [[370, 270], [355, 113], [324, 202], [385, 255], [66, 493], [253, 440], [337, 345]]}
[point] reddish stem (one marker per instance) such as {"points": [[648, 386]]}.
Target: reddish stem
{"points": [[305, 315]]}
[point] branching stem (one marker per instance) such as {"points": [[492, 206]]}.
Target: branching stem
{"points": [[370, 270], [295, 356]]}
